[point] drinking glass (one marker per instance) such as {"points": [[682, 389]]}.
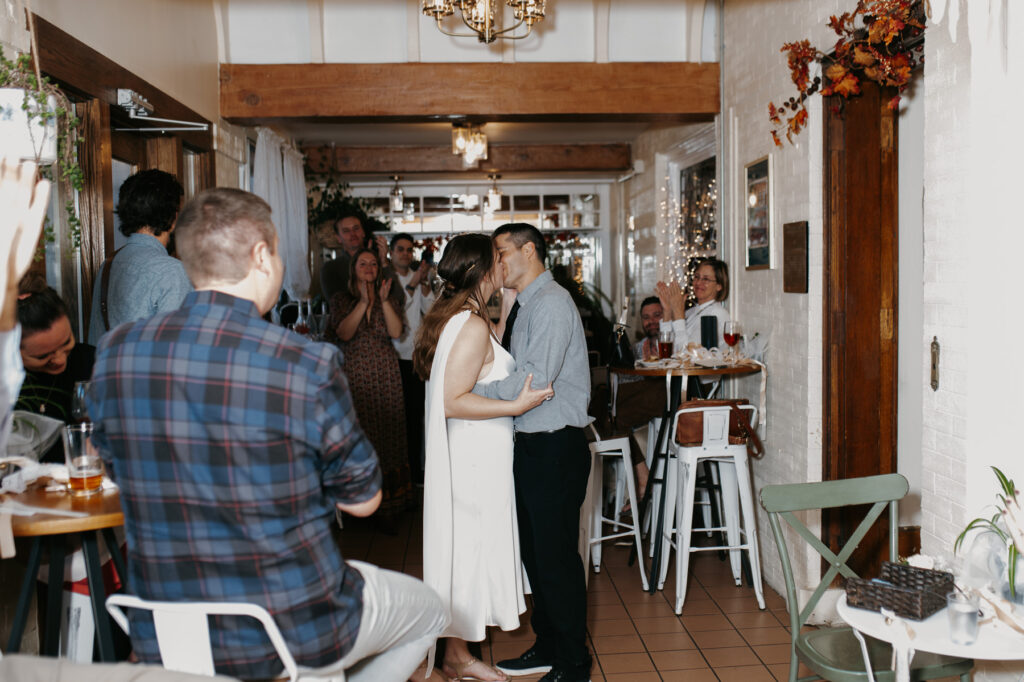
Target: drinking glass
{"points": [[963, 617], [79, 412], [666, 342], [301, 325], [85, 468], [731, 332]]}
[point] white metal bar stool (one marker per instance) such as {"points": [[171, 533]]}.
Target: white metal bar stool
{"points": [[615, 447], [737, 499], [705, 501]]}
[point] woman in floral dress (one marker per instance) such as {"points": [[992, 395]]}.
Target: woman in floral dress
{"points": [[366, 317]]}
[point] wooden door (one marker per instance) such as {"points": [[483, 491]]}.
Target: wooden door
{"points": [[861, 284]]}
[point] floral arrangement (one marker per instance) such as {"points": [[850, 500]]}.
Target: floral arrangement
{"points": [[884, 48], [1007, 523]]}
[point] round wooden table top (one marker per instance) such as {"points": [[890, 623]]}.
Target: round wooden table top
{"points": [[689, 370], [103, 509]]}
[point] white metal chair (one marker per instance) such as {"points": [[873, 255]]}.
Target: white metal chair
{"points": [[615, 447], [737, 499], [183, 635], [706, 497]]}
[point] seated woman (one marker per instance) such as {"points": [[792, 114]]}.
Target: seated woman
{"points": [[53, 360], [710, 287]]}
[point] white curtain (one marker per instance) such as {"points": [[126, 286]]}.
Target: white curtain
{"points": [[278, 178]]}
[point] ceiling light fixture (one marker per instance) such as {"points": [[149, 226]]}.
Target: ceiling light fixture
{"points": [[469, 142], [397, 196], [484, 17], [493, 204]]}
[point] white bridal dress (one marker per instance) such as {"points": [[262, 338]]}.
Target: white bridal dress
{"points": [[470, 534]]}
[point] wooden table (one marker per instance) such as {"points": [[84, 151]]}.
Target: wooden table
{"points": [[673, 391], [104, 514]]}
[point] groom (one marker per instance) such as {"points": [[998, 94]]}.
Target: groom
{"points": [[552, 460]]}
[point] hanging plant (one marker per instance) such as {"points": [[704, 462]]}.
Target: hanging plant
{"points": [[47, 108], [880, 40]]}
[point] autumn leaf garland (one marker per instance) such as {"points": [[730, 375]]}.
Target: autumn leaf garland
{"points": [[878, 51]]}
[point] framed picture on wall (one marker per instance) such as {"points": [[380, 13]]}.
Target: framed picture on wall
{"points": [[759, 232]]}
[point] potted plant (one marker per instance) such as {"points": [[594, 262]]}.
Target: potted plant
{"points": [[39, 121], [1003, 529], [880, 41]]}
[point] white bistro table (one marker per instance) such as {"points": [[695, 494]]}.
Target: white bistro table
{"points": [[996, 642]]}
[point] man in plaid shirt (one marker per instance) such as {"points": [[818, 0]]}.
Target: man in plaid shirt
{"points": [[233, 442]]}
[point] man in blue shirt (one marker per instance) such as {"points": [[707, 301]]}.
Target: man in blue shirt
{"points": [[141, 279], [552, 460], [234, 441]]}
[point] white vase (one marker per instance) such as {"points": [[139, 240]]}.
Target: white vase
{"points": [[21, 137]]}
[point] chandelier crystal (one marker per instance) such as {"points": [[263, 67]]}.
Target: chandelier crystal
{"points": [[484, 17]]}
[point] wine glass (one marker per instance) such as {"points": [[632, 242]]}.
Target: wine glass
{"points": [[79, 412], [731, 334]]}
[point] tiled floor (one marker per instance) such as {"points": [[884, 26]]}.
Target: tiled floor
{"points": [[721, 635]]}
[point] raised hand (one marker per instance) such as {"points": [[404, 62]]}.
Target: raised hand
{"points": [[673, 302], [382, 248], [530, 398], [24, 201], [385, 289]]}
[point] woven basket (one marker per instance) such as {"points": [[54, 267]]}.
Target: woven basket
{"points": [[914, 593]]}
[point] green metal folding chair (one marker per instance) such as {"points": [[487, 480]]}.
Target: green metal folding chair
{"points": [[834, 653]]}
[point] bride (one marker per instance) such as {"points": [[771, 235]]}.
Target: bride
{"points": [[470, 536]]}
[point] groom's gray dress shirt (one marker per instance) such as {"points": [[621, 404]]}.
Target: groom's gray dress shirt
{"points": [[548, 342]]}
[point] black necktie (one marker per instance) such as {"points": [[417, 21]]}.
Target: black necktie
{"points": [[506, 338]]}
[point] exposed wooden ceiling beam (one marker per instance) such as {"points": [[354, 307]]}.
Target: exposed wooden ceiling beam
{"points": [[501, 158], [672, 91]]}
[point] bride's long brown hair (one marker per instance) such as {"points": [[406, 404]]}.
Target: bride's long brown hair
{"points": [[465, 264]]}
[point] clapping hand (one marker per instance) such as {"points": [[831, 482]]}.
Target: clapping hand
{"points": [[385, 289], [673, 302]]}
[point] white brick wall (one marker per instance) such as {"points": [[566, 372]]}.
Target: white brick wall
{"points": [[973, 243]]}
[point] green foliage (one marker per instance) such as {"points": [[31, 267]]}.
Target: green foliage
{"points": [[991, 525], [330, 202], [17, 73]]}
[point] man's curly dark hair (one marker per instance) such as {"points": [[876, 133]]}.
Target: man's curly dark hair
{"points": [[150, 198]]}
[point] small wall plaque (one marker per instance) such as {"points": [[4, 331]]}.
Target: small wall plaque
{"points": [[794, 257]]}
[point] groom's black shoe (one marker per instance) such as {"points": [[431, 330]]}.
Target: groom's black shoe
{"points": [[530, 663], [577, 674]]}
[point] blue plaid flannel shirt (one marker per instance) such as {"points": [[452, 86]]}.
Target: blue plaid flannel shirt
{"points": [[232, 439]]}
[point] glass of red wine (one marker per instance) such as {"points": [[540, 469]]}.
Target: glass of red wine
{"points": [[731, 333]]}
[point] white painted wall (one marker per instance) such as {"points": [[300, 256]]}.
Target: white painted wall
{"points": [[972, 241], [172, 45], [912, 373]]}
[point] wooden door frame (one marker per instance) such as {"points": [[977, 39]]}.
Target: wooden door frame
{"points": [[843, 386]]}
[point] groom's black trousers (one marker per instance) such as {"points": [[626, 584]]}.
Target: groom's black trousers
{"points": [[551, 471]]}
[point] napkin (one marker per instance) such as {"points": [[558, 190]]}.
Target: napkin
{"points": [[32, 434]]}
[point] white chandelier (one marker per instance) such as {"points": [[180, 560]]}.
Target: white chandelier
{"points": [[470, 143], [484, 17]]}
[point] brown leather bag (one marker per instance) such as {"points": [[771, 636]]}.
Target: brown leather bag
{"points": [[690, 427]]}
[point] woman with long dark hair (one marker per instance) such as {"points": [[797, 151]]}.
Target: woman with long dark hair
{"points": [[53, 359], [470, 536], [366, 317]]}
